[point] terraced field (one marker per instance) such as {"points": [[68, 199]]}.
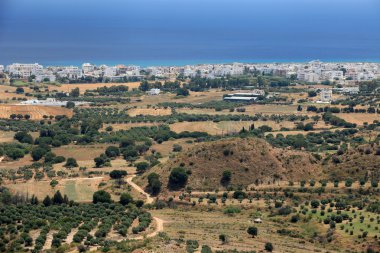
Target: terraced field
{"points": [[78, 189], [91, 86], [36, 112]]}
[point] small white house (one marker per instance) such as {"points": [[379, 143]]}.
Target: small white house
{"points": [[258, 220], [41, 78], [326, 95], [154, 92]]}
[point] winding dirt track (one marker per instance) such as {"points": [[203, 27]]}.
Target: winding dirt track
{"points": [[149, 199], [159, 228]]}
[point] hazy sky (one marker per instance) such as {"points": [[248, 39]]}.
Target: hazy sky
{"points": [[138, 30]]}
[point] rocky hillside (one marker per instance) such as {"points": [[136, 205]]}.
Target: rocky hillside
{"points": [[249, 161], [356, 163]]}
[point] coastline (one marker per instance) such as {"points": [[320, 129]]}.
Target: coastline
{"points": [[179, 63]]}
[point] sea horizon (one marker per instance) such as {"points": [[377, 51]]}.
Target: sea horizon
{"points": [[180, 63], [177, 33]]}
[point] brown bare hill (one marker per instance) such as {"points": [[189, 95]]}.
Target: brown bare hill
{"points": [[356, 163], [250, 160]]}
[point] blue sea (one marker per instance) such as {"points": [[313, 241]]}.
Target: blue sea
{"points": [[179, 32]]}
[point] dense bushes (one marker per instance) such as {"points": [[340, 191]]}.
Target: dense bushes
{"points": [[144, 221], [125, 199], [112, 152], [111, 116], [20, 219], [177, 178], [71, 163], [325, 140], [141, 167], [336, 121], [154, 183], [101, 197], [117, 174], [24, 137]]}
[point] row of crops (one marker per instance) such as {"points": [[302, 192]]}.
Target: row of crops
{"points": [[113, 116], [92, 223]]}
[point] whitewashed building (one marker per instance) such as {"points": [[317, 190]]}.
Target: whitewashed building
{"points": [[70, 72], [348, 90], [154, 92], [24, 70], [88, 68], [332, 75], [326, 95], [244, 96], [110, 72], [41, 78]]}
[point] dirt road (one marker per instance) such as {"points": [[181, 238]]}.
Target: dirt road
{"points": [[159, 228], [149, 199]]}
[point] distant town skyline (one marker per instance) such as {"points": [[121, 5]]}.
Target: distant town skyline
{"points": [[311, 72]]}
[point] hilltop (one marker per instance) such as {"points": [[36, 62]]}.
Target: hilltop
{"points": [[250, 161], [362, 162]]}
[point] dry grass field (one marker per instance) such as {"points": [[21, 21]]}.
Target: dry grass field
{"points": [[6, 136], [77, 189], [295, 96], [14, 164], [91, 86], [207, 223], [295, 132], [194, 98], [83, 154], [225, 127], [250, 110], [166, 147], [149, 111], [117, 164], [205, 96], [9, 92], [359, 118], [35, 111], [128, 126]]}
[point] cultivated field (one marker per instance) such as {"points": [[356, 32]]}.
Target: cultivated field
{"points": [[9, 92], [91, 86], [166, 148], [225, 127], [77, 189], [194, 98], [149, 111], [36, 112], [128, 126], [206, 224], [359, 118], [250, 110], [83, 154], [6, 136]]}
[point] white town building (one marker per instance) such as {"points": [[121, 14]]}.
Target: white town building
{"points": [[70, 72], [154, 92], [40, 78], [326, 95], [24, 70], [88, 68]]}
